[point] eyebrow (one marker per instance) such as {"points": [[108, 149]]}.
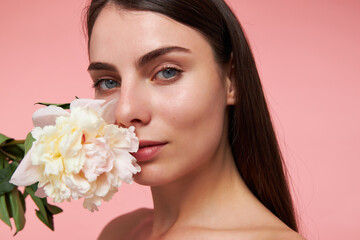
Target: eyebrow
{"points": [[101, 66], [158, 53], [142, 60]]}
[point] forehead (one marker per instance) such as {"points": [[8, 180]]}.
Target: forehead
{"points": [[136, 32]]}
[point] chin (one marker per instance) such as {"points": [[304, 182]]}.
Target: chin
{"points": [[149, 179], [152, 178]]}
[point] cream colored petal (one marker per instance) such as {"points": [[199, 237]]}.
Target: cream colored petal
{"points": [[122, 138], [57, 190], [134, 141], [92, 203], [70, 148], [125, 166], [107, 111], [47, 116], [26, 173], [76, 183], [99, 158], [53, 166], [110, 194], [94, 104], [103, 186]]}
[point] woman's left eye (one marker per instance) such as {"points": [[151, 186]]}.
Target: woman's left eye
{"points": [[167, 74]]}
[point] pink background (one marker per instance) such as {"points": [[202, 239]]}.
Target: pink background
{"points": [[308, 55]]}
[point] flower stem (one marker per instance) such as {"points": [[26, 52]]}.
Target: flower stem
{"points": [[13, 142], [9, 155]]}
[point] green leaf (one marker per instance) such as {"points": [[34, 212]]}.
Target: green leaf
{"points": [[21, 146], [54, 209], [17, 210], [3, 160], [7, 200], [5, 187], [9, 150], [33, 188], [39, 203], [4, 211], [25, 194], [4, 138], [22, 198], [14, 150], [48, 220], [5, 163], [28, 142], [5, 175], [62, 105], [46, 211]]}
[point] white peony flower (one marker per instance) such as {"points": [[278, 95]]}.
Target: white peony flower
{"points": [[78, 154]]}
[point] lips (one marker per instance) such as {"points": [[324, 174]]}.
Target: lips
{"points": [[148, 150]]}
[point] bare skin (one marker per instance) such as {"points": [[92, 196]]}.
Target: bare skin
{"points": [[226, 213], [196, 188], [137, 225]]}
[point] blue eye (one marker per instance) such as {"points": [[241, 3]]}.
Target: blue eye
{"points": [[167, 74], [108, 84]]}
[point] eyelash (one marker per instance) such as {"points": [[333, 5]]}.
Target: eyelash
{"points": [[99, 81], [178, 73]]}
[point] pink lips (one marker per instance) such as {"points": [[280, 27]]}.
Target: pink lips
{"points": [[148, 150]]}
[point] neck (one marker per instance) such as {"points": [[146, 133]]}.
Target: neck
{"points": [[192, 199]]}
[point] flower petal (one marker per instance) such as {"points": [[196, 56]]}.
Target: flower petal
{"points": [[47, 116], [102, 186], [125, 166], [76, 183], [92, 203], [108, 113], [134, 141], [94, 104], [26, 173], [81, 154], [98, 158]]}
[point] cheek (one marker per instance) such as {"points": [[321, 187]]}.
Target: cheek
{"points": [[194, 114]]}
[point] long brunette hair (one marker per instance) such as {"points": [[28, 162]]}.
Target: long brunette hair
{"points": [[251, 135]]}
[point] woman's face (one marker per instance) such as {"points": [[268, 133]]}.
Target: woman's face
{"points": [[168, 86]]}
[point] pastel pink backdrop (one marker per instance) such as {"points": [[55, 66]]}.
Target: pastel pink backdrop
{"points": [[308, 56]]}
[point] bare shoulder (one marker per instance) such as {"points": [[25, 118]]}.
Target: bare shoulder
{"points": [[122, 226], [257, 233], [264, 233], [280, 234]]}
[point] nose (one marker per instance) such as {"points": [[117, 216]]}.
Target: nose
{"points": [[133, 105]]}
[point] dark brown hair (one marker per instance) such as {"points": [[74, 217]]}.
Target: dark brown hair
{"points": [[253, 141]]}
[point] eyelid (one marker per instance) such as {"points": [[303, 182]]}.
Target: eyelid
{"points": [[178, 70], [98, 81]]}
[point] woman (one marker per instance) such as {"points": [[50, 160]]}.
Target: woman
{"points": [[185, 77]]}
